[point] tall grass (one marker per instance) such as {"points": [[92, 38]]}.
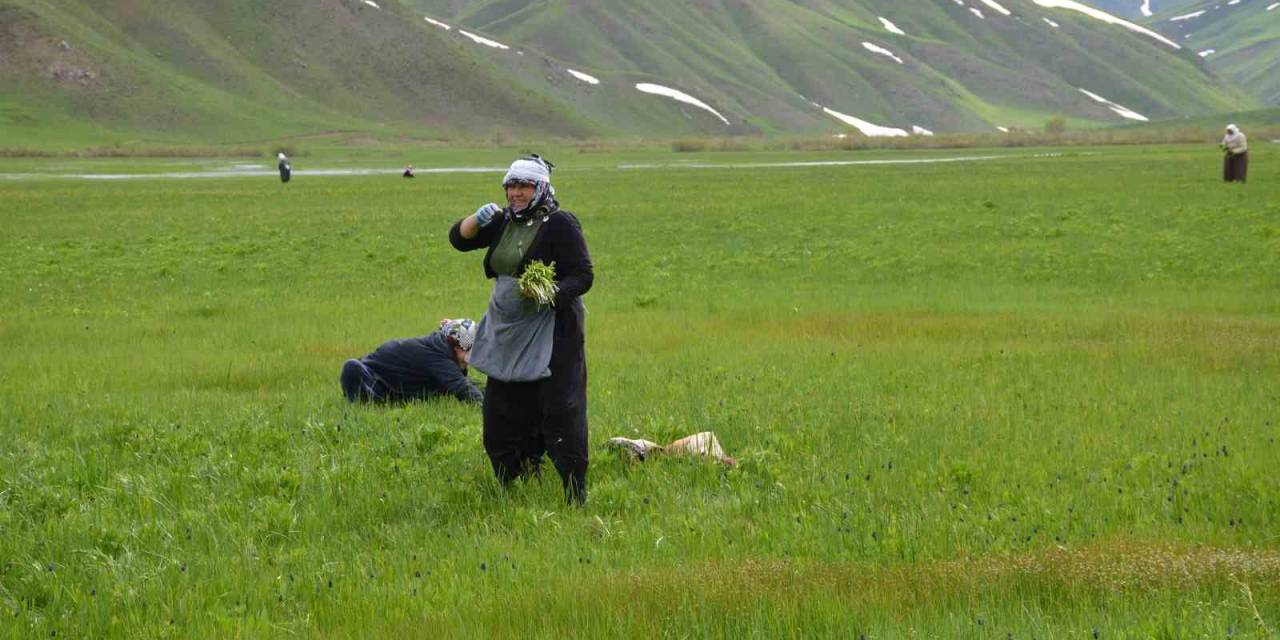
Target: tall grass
{"points": [[1031, 396]]}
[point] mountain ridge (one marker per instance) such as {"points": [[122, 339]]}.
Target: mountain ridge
{"points": [[767, 67]]}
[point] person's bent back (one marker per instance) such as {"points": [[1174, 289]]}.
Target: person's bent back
{"points": [[415, 368]]}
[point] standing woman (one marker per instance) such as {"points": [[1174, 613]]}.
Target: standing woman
{"points": [[283, 164], [536, 397], [1235, 162]]}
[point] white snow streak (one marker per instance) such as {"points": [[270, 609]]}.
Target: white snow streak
{"points": [[678, 96], [372, 4], [1123, 112], [1273, 6], [867, 128], [977, 12], [1096, 14], [483, 40], [1187, 16], [996, 5], [920, 131], [1207, 52], [587, 78], [891, 27], [1050, 22], [875, 48], [438, 23], [1145, 8]]}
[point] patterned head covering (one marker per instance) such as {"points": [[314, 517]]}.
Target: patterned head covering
{"points": [[463, 330], [534, 170]]}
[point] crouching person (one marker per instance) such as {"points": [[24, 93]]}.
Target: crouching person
{"points": [[415, 368]]}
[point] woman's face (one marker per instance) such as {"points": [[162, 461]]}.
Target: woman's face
{"points": [[519, 194]]}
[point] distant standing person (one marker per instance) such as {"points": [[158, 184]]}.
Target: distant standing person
{"points": [[1235, 161], [533, 355], [282, 162]]}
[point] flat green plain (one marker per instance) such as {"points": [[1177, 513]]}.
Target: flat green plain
{"points": [[1033, 395]]}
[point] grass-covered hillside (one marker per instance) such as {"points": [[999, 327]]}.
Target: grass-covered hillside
{"points": [[77, 70], [244, 71], [1241, 41], [939, 65]]}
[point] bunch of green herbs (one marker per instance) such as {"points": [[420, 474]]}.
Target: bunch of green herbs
{"points": [[538, 282]]}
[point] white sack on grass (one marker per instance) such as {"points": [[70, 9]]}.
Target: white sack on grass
{"points": [[699, 444]]}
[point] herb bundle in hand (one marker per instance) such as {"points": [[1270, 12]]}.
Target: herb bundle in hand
{"points": [[538, 282]]}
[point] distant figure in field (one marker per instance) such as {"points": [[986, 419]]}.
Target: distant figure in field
{"points": [[416, 368], [408, 172], [1235, 162], [286, 170]]}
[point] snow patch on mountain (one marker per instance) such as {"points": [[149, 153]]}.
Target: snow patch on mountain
{"points": [[1072, 5], [867, 128], [891, 27], [679, 96], [483, 40], [1122, 111], [996, 5], [585, 77], [875, 48]]}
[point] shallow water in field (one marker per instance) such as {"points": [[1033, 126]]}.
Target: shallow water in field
{"points": [[244, 170]]}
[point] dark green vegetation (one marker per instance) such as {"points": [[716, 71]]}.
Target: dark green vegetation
{"points": [[1028, 396], [75, 72]]}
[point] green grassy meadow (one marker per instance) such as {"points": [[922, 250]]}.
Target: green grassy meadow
{"points": [[1031, 396]]}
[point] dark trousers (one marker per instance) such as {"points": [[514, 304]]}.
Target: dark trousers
{"points": [[523, 420], [1235, 167], [359, 384]]}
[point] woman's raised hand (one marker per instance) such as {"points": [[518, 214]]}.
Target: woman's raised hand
{"points": [[486, 214]]}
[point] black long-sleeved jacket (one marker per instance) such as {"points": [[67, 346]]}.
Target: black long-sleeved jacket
{"points": [[558, 240]]}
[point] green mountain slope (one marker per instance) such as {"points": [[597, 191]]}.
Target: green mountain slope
{"points": [[765, 61], [232, 71], [245, 71], [1241, 41]]}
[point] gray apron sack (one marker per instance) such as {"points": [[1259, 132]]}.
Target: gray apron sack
{"points": [[514, 339]]}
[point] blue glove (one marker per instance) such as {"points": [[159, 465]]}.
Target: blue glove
{"points": [[486, 214]]}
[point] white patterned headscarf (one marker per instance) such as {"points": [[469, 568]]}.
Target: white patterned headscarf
{"points": [[532, 169], [463, 330]]}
